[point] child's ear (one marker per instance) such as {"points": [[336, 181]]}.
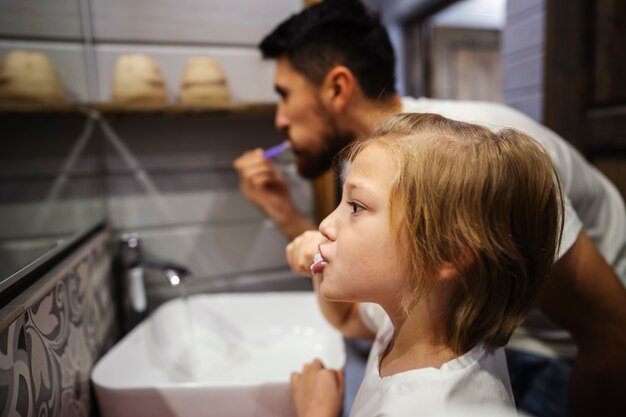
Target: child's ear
{"points": [[448, 270]]}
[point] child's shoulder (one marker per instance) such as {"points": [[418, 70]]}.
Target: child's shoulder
{"points": [[478, 377]]}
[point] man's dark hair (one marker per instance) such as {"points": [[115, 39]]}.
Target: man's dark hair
{"points": [[336, 32]]}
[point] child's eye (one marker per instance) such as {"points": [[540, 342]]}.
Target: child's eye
{"points": [[356, 207]]}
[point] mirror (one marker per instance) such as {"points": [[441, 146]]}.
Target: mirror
{"points": [[51, 182]]}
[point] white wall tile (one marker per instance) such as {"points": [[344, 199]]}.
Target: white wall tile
{"points": [[523, 34], [159, 143], [515, 8], [523, 73], [35, 18], [242, 22], [218, 250], [186, 201], [523, 57], [188, 198]]}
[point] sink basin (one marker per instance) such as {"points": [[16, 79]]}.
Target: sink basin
{"points": [[216, 355]]}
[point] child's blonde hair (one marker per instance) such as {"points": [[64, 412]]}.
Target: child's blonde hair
{"points": [[488, 204]]}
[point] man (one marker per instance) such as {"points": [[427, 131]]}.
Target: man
{"points": [[334, 75]]}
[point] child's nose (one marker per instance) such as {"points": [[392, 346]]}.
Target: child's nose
{"points": [[328, 228]]}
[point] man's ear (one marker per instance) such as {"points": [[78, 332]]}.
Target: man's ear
{"points": [[338, 88]]}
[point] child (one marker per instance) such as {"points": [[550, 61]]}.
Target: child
{"points": [[439, 247]]}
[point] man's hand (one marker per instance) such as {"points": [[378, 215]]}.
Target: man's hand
{"points": [[301, 250], [263, 184], [317, 391]]}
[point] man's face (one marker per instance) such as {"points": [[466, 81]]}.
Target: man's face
{"points": [[309, 125]]}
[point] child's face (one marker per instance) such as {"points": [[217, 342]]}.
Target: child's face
{"points": [[362, 262]]}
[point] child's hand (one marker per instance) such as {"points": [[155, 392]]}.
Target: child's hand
{"points": [[301, 250], [317, 391]]}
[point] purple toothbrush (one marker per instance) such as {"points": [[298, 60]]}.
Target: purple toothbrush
{"points": [[276, 150]]}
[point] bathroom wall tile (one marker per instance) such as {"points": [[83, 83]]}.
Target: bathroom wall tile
{"points": [[157, 143], [171, 180], [527, 52], [68, 59], [188, 197], [44, 19], [241, 22], [517, 7], [217, 250], [524, 33], [523, 56], [523, 73], [62, 327]]}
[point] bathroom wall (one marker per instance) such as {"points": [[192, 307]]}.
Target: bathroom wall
{"points": [[523, 55], [171, 31], [52, 334], [51, 184], [170, 178], [54, 28]]}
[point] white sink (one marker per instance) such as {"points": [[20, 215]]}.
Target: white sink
{"points": [[216, 355]]}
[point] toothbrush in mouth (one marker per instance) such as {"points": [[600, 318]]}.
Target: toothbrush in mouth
{"points": [[318, 264], [276, 150]]}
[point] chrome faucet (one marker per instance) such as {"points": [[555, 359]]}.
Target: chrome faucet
{"points": [[135, 263]]}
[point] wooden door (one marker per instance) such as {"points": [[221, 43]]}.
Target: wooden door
{"points": [[585, 100], [466, 64]]}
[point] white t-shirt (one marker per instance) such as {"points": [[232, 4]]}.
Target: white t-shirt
{"points": [[592, 204], [476, 378]]}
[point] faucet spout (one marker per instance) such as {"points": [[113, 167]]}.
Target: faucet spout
{"points": [[174, 273], [134, 258], [175, 277]]}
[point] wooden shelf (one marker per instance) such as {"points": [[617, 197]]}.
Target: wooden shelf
{"points": [[25, 107], [258, 109], [235, 109]]}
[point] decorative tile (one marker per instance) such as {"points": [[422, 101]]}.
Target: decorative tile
{"points": [[46, 355]]}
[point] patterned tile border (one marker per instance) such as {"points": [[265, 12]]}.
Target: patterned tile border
{"points": [[47, 353]]}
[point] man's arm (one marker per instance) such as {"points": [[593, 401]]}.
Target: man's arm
{"points": [[585, 296], [265, 186]]}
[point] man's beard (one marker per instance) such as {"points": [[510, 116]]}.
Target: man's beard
{"points": [[311, 165]]}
